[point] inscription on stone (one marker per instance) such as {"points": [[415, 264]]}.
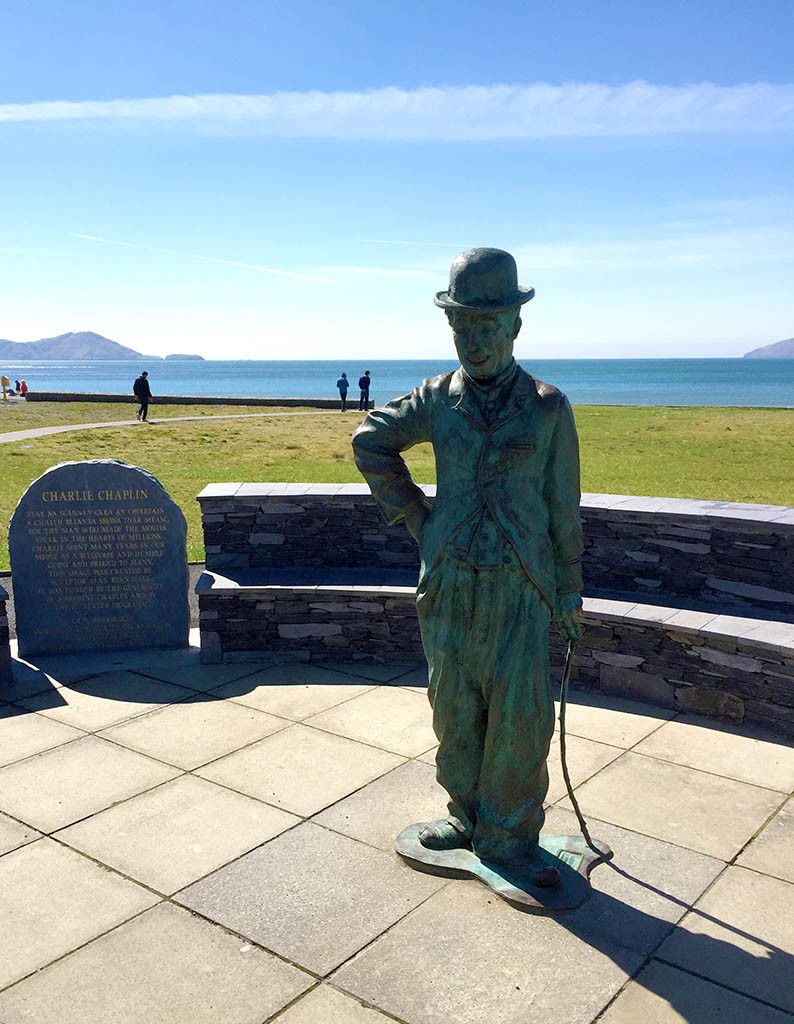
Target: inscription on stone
{"points": [[98, 560]]}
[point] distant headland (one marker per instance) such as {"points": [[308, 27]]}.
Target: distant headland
{"points": [[75, 345], [779, 350]]}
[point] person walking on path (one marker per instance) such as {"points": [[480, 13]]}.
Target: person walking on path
{"points": [[143, 393], [363, 383], [343, 384]]}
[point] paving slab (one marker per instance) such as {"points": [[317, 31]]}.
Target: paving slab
{"points": [[100, 701], [70, 668], [167, 966], [749, 755], [177, 833], [14, 834], [584, 759], [741, 934], [467, 956], [772, 850], [311, 896], [326, 1005], [195, 731], [23, 733], [429, 756], [388, 717], [416, 679], [305, 674], [661, 994], [197, 676], [300, 769], [60, 786], [610, 719], [643, 891], [27, 680], [297, 700], [690, 808], [385, 672], [377, 813], [55, 900]]}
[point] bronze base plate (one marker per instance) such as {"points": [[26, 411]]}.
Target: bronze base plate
{"points": [[571, 855]]}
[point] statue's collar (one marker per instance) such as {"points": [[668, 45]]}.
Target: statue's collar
{"points": [[490, 384], [468, 395]]}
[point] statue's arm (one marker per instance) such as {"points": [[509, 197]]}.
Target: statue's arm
{"points": [[563, 494], [377, 445]]}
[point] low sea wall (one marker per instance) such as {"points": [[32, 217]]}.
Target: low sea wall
{"points": [[79, 396]]}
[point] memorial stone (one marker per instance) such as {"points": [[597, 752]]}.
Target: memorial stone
{"points": [[98, 560]]}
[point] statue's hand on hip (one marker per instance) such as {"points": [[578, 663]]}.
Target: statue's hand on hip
{"points": [[567, 617]]}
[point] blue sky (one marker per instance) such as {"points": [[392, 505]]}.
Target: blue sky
{"points": [[291, 179]]}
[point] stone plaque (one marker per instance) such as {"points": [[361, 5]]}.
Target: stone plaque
{"points": [[99, 562]]}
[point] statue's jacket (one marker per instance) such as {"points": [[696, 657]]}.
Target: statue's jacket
{"points": [[522, 470]]}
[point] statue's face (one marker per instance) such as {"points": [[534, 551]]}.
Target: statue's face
{"points": [[484, 341]]}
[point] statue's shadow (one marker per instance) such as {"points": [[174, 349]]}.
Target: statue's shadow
{"points": [[706, 968], [136, 677]]}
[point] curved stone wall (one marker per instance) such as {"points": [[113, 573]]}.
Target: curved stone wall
{"points": [[705, 555]]}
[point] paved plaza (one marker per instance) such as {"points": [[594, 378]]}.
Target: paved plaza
{"points": [[188, 844]]}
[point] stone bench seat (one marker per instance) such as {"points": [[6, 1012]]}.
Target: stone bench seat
{"points": [[726, 666], [312, 614]]}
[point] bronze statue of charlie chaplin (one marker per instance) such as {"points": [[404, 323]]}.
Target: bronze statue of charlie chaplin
{"points": [[500, 558]]}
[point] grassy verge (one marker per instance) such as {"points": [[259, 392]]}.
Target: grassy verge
{"points": [[725, 454]]}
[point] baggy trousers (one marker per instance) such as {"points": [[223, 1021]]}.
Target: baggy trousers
{"points": [[485, 635]]}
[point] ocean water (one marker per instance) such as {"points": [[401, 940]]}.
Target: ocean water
{"points": [[725, 382]]}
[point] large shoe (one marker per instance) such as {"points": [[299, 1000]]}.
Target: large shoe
{"points": [[543, 876], [442, 834], [533, 870]]}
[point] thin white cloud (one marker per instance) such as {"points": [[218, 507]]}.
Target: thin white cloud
{"points": [[474, 113], [364, 271], [413, 244], [205, 259], [728, 248]]}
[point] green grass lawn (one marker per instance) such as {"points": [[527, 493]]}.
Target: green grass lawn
{"points": [[724, 454]]}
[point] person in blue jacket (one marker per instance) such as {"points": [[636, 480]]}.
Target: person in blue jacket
{"points": [[343, 386]]}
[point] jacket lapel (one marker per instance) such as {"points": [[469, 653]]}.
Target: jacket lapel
{"points": [[462, 399], [522, 392]]}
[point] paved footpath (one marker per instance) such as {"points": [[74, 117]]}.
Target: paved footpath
{"points": [[197, 844], [26, 435]]}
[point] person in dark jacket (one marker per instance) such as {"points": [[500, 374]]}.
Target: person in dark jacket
{"points": [[343, 384], [363, 383], [143, 393]]}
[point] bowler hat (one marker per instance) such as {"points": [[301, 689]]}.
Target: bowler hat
{"points": [[484, 281]]}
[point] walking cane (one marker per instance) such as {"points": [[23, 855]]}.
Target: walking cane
{"points": [[566, 677]]}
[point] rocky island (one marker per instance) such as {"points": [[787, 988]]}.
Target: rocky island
{"points": [[778, 350], [74, 345]]}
